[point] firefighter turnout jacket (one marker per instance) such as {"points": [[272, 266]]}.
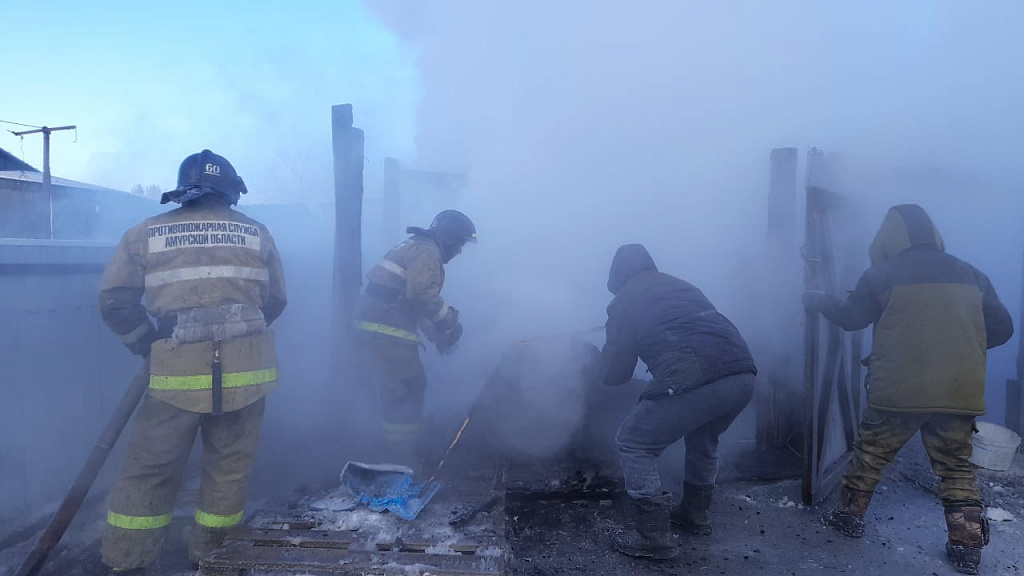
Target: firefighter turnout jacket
{"points": [[403, 293], [212, 279]]}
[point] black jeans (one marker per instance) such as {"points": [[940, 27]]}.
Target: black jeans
{"points": [[700, 415]]}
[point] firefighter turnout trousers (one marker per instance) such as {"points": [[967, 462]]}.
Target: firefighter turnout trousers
{"points": [[142, 502], [395, 370]]}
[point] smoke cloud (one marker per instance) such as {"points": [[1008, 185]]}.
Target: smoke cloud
{"points": [[583, 126]]}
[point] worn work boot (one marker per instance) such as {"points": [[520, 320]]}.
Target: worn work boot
{"points": [[203, 541], [848, 517], [96, 567], [968, 534], [652, 535], [692, 514]]}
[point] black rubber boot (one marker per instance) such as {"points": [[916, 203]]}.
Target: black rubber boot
{"points": [[652, 536], [848, 517], [968, 534], [693, 513]]}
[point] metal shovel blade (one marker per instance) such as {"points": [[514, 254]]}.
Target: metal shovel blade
{"points": [[387, 487]]}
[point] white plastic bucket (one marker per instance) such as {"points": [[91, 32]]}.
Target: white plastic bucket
{"points": [[994, 446]]}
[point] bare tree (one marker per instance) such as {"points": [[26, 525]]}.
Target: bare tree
{"points": [[149, 191]]}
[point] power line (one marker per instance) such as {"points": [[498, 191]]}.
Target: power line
{"points": [[19, 124]]}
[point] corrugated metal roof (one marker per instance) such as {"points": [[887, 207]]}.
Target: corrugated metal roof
{"points": [[9, 161], [37, 177]]}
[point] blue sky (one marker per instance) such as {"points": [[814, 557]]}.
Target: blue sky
{"points": [[148, 84]]}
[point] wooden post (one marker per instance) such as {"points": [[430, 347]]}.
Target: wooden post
{"points": [[391, 206], [348, 209], [1014, 396], [811, 331], [777, 403], [831, 357], [814, 272], [1014, 419]]}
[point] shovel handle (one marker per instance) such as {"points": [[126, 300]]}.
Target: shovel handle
{"points": [[80, 489], [448, 451]]}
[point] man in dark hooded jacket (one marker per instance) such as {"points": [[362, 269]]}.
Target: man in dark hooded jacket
{"points": [[703, 378], [934, 316]]}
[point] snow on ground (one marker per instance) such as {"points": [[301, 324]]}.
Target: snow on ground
{"points": [[760, 528], [999, 515]]}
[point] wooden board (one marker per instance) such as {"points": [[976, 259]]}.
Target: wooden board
{"points": [[344, 540], [290, 543], [240, 558]]}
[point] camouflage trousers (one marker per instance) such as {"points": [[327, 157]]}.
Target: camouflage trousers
{"points": [[946, 437]]}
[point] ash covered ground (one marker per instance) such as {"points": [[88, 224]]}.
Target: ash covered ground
{"points": [[759, 529]]}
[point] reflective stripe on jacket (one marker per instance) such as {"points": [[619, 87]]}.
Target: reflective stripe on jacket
{"points": [[404, 289], [197, 256], [388, 331]]}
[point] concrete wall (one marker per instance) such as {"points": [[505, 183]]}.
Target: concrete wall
{"points": [[62, 369]]}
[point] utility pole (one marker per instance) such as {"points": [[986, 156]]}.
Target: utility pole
{"points": [[47, 190]]}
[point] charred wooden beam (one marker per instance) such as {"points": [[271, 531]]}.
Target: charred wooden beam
{"points": [[348, 212]]}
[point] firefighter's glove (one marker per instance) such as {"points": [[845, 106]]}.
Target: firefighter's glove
{"points": [[446, 343], [447, 323], [815, 300]]}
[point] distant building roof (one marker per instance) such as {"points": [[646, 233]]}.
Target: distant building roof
{"points": [[37, 177], [9, 161]]}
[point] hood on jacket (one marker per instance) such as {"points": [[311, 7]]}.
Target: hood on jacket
{"points": [[904, 227], [630, 260]]}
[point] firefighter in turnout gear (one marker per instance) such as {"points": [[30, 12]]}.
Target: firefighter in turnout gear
{"points": [[211, 278], [403, 295], [934, 318]]}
